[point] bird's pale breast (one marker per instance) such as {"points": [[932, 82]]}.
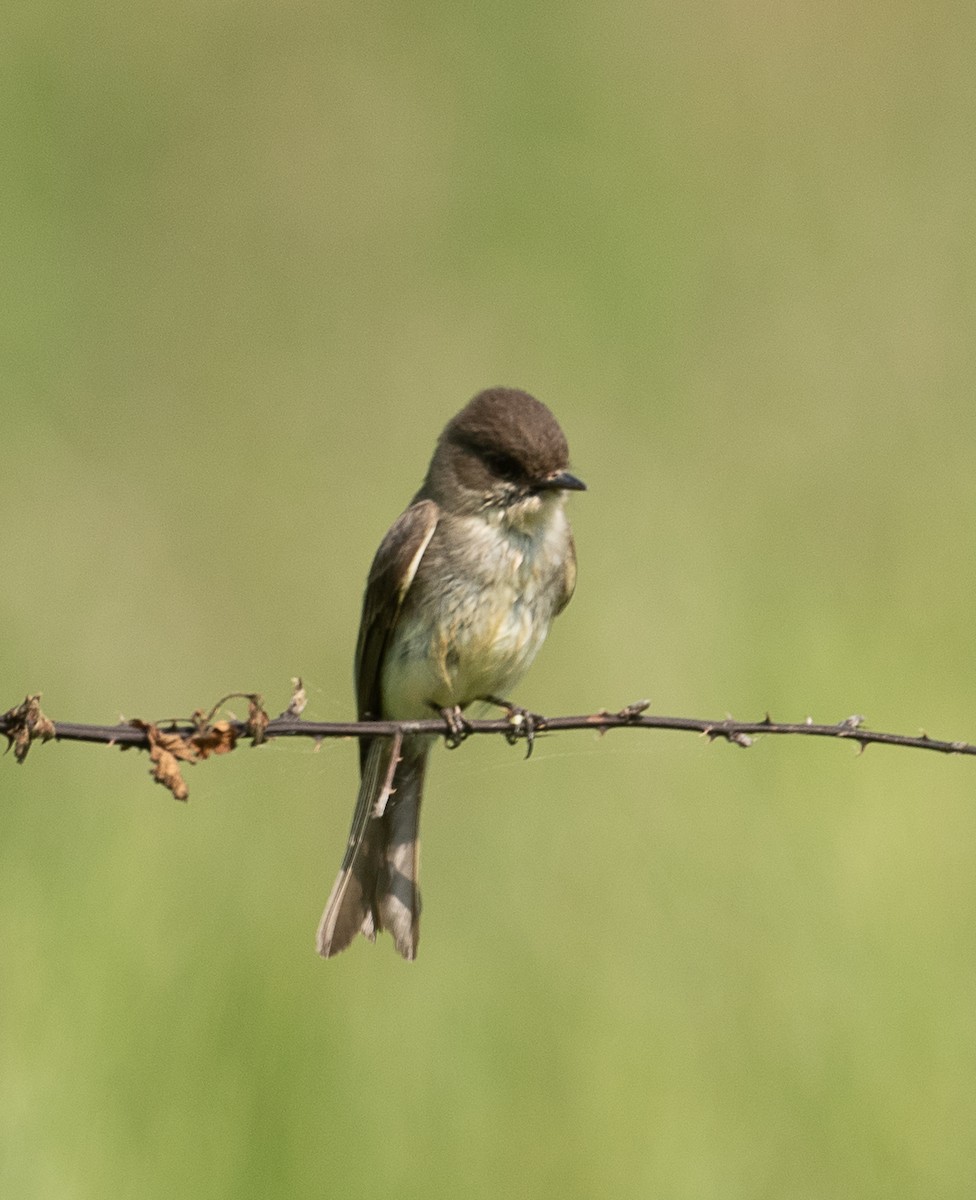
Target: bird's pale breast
{"points": [[478, 611]]}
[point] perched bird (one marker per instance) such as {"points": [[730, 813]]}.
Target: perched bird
{"points": [[459, 599]]}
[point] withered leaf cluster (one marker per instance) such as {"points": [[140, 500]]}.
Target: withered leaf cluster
{"points": [[25, 723], [170, 743], [168, 748]]}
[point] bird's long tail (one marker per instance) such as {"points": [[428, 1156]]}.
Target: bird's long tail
{"points": [[378, 884]]}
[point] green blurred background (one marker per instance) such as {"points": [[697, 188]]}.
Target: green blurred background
{"points": [[254, 256]]}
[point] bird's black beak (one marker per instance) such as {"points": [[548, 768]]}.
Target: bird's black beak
{"points": [[561, 480]]}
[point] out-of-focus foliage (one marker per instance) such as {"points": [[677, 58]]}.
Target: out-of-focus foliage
{"points": [[254, 256]]}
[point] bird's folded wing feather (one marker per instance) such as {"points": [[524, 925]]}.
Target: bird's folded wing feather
{"points": [[393, 571]]}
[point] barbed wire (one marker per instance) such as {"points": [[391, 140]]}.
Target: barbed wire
{"points": [[174, 741]]}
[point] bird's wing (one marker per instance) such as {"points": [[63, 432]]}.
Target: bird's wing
{"points": [[569, 576], [390, 577], [355, 904]]}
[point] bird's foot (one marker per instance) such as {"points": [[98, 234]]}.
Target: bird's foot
{"points": [[522, 723], [457, 726]]}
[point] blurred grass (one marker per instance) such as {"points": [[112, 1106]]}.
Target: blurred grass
{"points": [[255, 256]]}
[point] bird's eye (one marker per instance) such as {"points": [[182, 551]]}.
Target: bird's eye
{"points": [[503, 465]]}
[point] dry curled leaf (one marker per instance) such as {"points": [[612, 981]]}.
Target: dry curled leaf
{"points": [[166, 750], [257, 719], [218, 738], [299, 698], [25, 723]]}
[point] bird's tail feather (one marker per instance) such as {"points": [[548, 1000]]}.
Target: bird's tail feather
{"points": [[378, 883]]}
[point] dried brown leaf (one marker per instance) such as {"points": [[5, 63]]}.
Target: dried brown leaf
{"points": [[257, 719], [166, 750], [218, 738], [299, 698], [25, 723]]}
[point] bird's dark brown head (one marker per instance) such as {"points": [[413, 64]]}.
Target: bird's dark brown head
{"points": [[501, 448]]}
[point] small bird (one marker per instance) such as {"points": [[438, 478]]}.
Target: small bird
{"points": [[459, 599]]}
